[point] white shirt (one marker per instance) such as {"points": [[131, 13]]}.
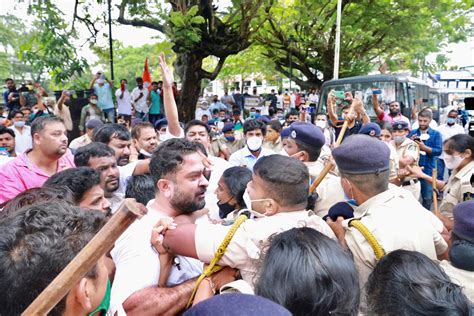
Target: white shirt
{"points": [[245, 158], [140, 105], [23, 140], [137, 264], [219, 165], [313, 98], [200, 112], [125, 173], [449, 131], [124, 104]]}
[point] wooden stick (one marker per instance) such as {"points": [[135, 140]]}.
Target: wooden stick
{"points": [[435, 192], [329, 164], [85, 259]]}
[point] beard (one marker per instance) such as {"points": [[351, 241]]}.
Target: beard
{"points": [[394, 113], [187, 203]]}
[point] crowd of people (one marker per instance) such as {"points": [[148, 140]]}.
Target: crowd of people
{"points": [[369, 238]]}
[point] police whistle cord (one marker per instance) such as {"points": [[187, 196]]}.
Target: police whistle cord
{"points": [[213, 267], [329, 164], [85, 259]]}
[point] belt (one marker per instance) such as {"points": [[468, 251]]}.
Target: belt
{"points": [[413, 181]]}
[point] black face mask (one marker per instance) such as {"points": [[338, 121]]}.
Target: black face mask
{"points": [[225, 209], [140, 86]]}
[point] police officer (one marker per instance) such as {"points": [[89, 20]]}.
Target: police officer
{"points": [[460, 267], [305, 143], [458, 157], [374, 130], [394, 218], [409, 155]]}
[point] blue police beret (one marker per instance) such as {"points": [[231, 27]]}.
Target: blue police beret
{"points": [[285, 132], [228, 127], [362, 154], [463, 216], [307, 134], [160, 123], [237, 304], [400, 126], [371, 129]]}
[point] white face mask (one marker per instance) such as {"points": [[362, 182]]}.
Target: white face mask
{"points": [[248, 202], [452, 162], [321, 124], [145, 153], [254, 143]]}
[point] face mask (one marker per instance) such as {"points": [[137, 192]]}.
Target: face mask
{"points": [[248, 202], [19, 123], [140, 86], [145, 153], [321, 124], [252, 114], [93, 101], [230, 138], [280, 116], [225, 209], [451, 121], [254, 143], [452, 162], [398, 139], [350, 200]]}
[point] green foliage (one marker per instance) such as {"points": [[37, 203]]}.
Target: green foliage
{"points": [[129, 61], [184, 28], [399, 33], [47, 47]]}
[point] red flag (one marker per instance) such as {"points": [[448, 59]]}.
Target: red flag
{"points": [[146, 76]]}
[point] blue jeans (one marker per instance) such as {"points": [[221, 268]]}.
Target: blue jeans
{"points": [[441, 168], [426, 194], [139, 115], [154, 117], [109, 115]]}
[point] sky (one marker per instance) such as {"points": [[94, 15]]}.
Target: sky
{"points": [[461, 54]]}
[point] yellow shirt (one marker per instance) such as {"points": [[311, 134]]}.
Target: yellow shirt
{"points": [[244, 250], [458, 189], [397, 221]]}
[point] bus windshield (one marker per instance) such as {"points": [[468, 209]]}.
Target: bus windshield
{"points": [[362, 90]]}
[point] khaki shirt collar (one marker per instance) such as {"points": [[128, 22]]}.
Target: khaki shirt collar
{"points": [[465, 170], [380, 198]]}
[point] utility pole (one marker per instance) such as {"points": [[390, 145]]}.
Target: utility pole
{"points": [[338, 40], [291, 39], [111, 51]]}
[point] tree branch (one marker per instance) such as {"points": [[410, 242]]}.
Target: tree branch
{"points": [[212, 75], [136, 22]]}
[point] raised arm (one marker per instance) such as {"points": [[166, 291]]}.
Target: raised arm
{"points": [[376, 105], [171, 109], [331, 104], [91, 85]]}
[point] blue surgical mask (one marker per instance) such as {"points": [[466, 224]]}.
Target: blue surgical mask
{"points": [[352, 202], [230, 138], [451, 121]]}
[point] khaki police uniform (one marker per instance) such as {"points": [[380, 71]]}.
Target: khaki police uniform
{"points": [[329, 190], [233, 147], [276, 146], [459, 188], [393, 162], [397, 221], [463, 278], [411, 149], [245, 248]]}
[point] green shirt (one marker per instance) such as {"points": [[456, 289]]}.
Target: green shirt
{"points": [[155, 102]]}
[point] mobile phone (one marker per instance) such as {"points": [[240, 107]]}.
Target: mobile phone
{"points": [[377, 91], [417, 139], [339, 94]]}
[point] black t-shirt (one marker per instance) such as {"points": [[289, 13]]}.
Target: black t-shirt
{"points": [[350, 131]]}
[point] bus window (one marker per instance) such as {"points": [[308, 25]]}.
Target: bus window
{"points": [[365, 90]]}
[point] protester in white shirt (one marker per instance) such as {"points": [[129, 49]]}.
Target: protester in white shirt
{"points": [[124, 99], [254, 132], [23, 140], [181, 186], [450, 128], [139, 97]]}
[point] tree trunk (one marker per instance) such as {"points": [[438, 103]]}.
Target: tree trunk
{"points": [[188, 66]]}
